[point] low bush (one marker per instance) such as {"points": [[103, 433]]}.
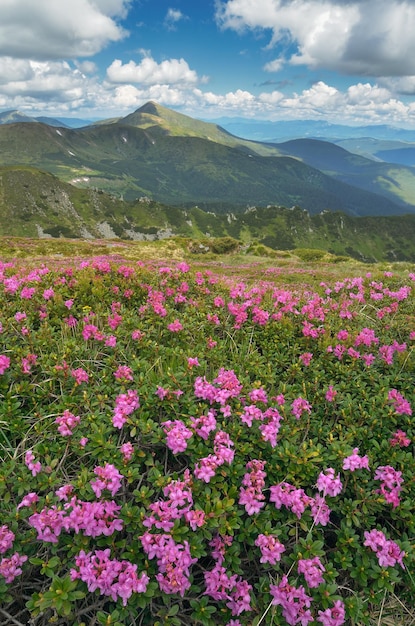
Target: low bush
{"points": [[179, 448]]}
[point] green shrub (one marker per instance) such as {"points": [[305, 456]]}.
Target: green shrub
{"points": [[180, 448]]}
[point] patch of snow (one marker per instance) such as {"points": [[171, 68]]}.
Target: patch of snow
{"points": [[59, 132]]}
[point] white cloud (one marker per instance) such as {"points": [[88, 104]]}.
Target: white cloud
{"points": [[173, 16], [370, 37], [57, 29], [149, 72], [274, 66]]}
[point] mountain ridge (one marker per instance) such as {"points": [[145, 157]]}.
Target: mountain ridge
{"points": [[37, 204], [177, 160]]}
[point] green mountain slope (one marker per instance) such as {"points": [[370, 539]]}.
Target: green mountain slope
{"points": [[37, 204], [393, 181], [171, 163]]}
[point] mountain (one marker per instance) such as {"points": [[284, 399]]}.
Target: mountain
{"points": [[395, 183], [177, 160], [284, 130], [398, 152], [37, 204], [14, 117]]}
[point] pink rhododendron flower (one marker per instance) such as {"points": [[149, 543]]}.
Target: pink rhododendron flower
{"points": [[108, 478], [124, 373], [27, 363], [48, 294], [354, 461], [253, 483], [192, 361], [113, 578], [10, 568], [125, 405], [387, 551], [294, 602], [328, 483], [6, 539], [177, 435], [67, 422], [175, 326], [391, 484], [127, 450], [271, 548], [80, 375], [4, 363], [34, 467], [306, 358], [299, 406], [400, 405], [28, 500], [400, 438], [331, 394], [334, 616], [313, 571]]}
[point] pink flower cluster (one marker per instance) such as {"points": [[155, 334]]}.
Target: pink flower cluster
{"points": [[80, 375], [6, 539], [400, 404], [269, 429], [334, 616], [124, 373], [296, 500], [328, 483], [206, 468], [11, 567], [299, 406], [313, 571], [204, 424], [354, 461], [387, 551], [178, 504], [108, 478], [400, 439], [174, 561], [127, 451], [225, 386], [67, 422], [271, 548], [294, 601], [222, 586], [391, 485], [27, 362], [4, 363], [177, 435], [250, 493], [125, 404], [34, 467], [93, 519], [116, 579]]}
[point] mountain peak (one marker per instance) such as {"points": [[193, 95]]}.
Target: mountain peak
{"points": [[150, 107]]}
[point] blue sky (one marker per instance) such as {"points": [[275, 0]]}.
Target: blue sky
{"points": [[345, 61]]}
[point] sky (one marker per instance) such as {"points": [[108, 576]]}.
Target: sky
{"points": [[345, 61]]}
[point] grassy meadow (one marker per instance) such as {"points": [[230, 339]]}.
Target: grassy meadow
{"points": [[204, 439]]}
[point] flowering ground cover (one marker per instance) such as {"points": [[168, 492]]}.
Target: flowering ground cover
{"points": [[205, 444]]}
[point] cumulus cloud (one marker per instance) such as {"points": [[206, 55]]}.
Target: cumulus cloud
{"points": [[52, 29], [369, 37], [149, 72]]}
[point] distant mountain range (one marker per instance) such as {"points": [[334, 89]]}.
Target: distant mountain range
{"points": [[177, 160]]}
